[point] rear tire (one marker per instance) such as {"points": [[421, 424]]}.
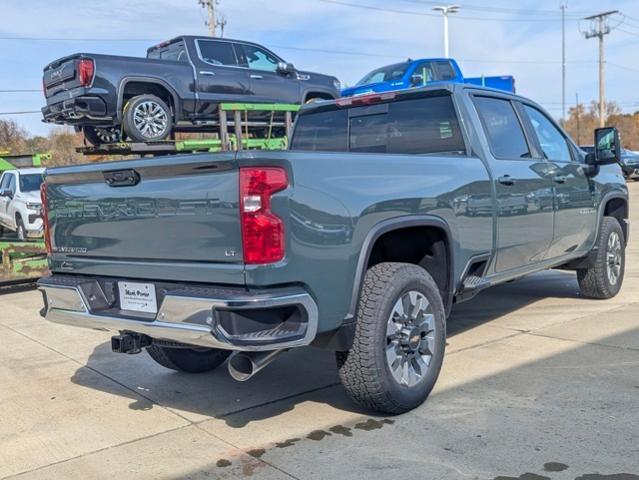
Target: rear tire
{"points": [[605, 277], [400, 338], [147, 118], [190, 360]]}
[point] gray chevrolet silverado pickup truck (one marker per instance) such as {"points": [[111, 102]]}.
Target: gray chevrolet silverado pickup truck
{"points": [[387, 210]]}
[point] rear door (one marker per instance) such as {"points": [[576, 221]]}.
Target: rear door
{"points": [[220, 78], [575, 213], [267, 85], [524, 219]]}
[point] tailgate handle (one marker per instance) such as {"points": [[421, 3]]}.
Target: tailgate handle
{"points": [[121, 178]]}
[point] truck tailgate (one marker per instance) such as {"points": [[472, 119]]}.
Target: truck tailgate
{"points": [[61, 75], [161, 211]]}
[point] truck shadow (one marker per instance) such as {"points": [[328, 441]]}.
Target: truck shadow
{"points": [[301, 375]]}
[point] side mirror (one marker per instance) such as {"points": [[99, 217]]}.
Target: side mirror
{"points": [[417, 80], [607, 146], [6, 193], [285, 68]]}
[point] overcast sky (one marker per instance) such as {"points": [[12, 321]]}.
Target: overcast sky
{"points": [[520, 38]]}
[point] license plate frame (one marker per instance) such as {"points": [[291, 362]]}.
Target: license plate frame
{"points": [[138, 297]]}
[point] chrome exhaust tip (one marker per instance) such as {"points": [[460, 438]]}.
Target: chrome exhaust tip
{"points": [[243, 365]]}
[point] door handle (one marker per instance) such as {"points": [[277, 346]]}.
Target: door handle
{"points": [[506, 180], [560, 179], [207, 72], [257, 77]]}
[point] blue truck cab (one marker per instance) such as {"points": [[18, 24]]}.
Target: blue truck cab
{"points": [[419, 73]]}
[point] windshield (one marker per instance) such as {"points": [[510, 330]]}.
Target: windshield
{"points": [[385, 74], [30, 182]]}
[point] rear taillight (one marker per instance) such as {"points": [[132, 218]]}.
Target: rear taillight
{"points": [[45, 217], [85, 71], [262, 231]]}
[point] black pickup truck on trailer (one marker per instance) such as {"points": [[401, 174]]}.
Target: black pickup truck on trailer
{"points": [[178, 86]]}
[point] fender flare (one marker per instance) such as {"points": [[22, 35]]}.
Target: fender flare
{"points": [[616, 195], [386, 226], [177, 104]]}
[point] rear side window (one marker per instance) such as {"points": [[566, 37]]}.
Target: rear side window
{"points": [[420, 126], [217, 53], [175, 52], [505, 134]]}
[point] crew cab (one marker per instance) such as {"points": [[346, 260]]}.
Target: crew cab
{"points": [[20, 202], [178, 86], [387, 210], [422, 72]]}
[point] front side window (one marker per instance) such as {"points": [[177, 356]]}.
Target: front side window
{"points": [[5, 181], [12, 183], [217, 53], [503, 129], [260, 59], [551, 140]]}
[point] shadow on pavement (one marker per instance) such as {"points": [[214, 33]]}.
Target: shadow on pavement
{"points": [[299, 375]]}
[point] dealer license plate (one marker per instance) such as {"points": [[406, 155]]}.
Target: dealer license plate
{"points": [[138, 297]]}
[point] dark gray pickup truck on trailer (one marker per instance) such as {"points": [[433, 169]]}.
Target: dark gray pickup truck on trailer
{"points": [[388, 209], [177, 87]]}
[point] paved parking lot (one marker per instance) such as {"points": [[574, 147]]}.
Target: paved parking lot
{"points": [[538, 384]]}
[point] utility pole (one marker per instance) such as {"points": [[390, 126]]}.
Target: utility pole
{"points": [[211, 21], [599, 28], [563, 62], [445, 11]]}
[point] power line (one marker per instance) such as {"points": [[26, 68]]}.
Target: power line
{"points": [[521, 11], [28, 112], [424, 14], [21, 91]]}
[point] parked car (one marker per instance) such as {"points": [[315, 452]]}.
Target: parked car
{"points": [[419, 73], [355, 240], [20, 202], [178, 86], [629, 161]]}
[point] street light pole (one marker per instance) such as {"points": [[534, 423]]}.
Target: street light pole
{"points": [[445, 11]]}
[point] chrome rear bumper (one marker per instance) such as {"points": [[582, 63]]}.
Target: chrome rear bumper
{"points": [[186, 315]]}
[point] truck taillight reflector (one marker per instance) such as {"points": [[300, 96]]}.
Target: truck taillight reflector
{"points": [[85, 71], [45, 217], [262, 231]]}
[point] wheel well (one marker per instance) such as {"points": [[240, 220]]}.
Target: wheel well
{"points": [[320, 95], [425, 246], [133, 89], [618, 208]]}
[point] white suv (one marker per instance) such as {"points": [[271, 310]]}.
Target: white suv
{"points": [[20, 203]]}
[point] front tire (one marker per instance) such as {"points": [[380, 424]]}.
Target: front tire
{"points": [[147, 118], [604, 278], [21, 232], [190, 360], [399, 342]]}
